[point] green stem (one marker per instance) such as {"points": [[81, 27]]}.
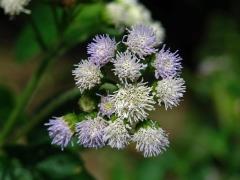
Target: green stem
{"points": [[27, 94], [47, 110]]}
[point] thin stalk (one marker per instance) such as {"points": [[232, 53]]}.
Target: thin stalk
{"points": [[47, 110], [24, 98]]}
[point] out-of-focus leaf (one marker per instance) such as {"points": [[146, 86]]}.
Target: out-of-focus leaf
{"points": [[41, 162], [12, 169], [60, 166], [86, 23], [27, 45]]}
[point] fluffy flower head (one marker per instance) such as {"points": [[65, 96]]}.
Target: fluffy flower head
{"points": [[116, 134], [169, 91], [14, 7], [127, 12], [59, 131], [136, 14], [127, 66], [167, 64], [159, 30], [87, 75], [133, 101], [106, 106], [90, 132], [141, 40], [102, 49], [151, 141]]}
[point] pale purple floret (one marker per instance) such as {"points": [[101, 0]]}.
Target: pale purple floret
{"points": [[141, 40], [59, 131], [167, 64], [90, 132], [106, 106], [101, 50]]}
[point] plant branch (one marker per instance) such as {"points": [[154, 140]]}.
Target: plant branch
{"points": [[23, 99], [47, 110]]}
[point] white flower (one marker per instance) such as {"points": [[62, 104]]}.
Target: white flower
{"points": [[127, 66], [116, 134], [115, 13], [14, 7], [127, 12], [130, 2], [133, 101], [141, 40], [87, 75], [137, 14], [159, 30], [151, 141], [169, 91]]}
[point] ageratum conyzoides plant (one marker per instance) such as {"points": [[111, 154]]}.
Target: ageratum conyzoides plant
{"points": [[141, 76]]}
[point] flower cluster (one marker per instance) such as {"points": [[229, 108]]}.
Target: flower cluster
{"points": [[124, 13], [115, 76]]}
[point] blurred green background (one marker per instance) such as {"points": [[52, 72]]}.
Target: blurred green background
{"points": [[204, 130]]}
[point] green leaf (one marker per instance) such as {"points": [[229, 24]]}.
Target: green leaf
{"points": [[47, 162], [63, 166], [42, 26], [60, 166], [12, 169], [45, 22], [86, 23], [26, 46]]}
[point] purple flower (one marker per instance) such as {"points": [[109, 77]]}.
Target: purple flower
{"points": [[101, 50], [91, 131], [106, 106], [167, 64], [141, 40], [59, 131]]}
